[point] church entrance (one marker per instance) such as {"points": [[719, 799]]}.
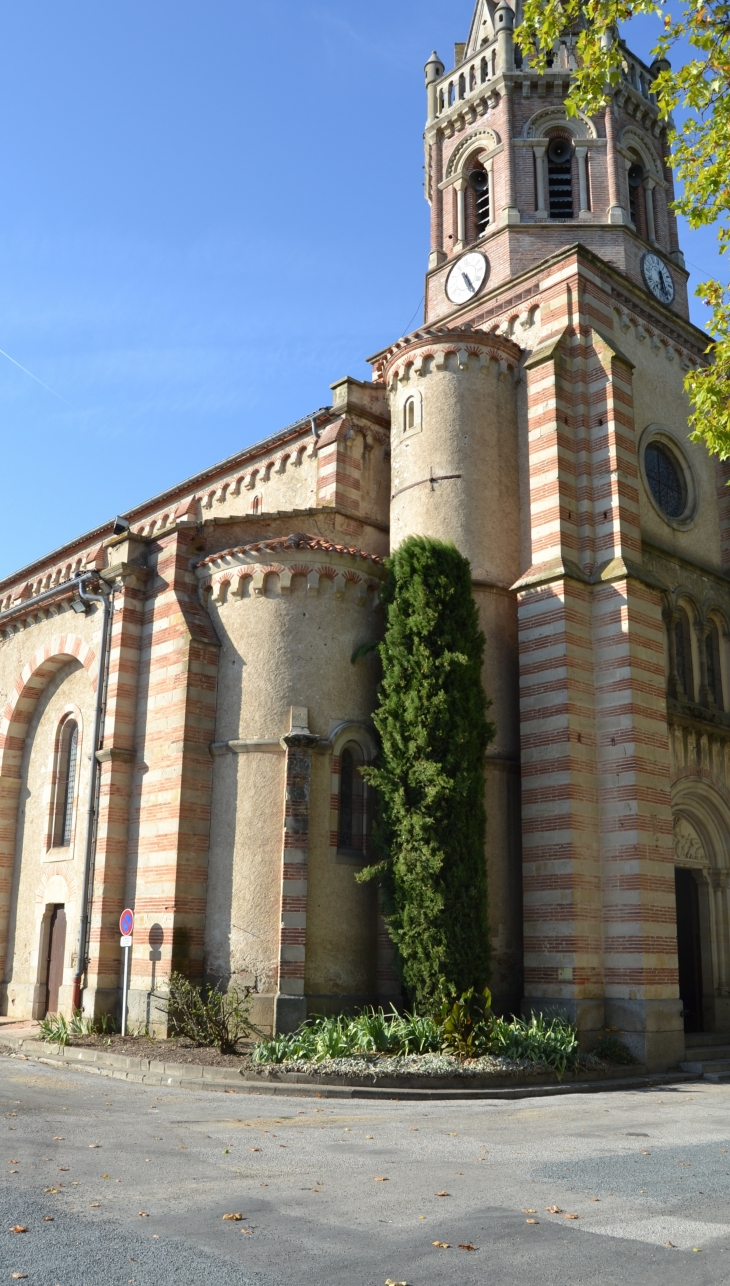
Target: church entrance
{"points": [[689, 950], [54, 964]]}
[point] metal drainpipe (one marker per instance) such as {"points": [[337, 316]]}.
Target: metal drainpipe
{"points": [[107, 602]]}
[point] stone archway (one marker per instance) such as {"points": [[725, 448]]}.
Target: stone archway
{"points": [[14, 724], [701, 825]]}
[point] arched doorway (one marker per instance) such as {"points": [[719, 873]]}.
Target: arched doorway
{"points": [[701, 824]]}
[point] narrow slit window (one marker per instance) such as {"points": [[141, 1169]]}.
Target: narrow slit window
{"points": [[409, 417], [714, 676], [352, 830], [66, 762], [479, 184], [560, 178], [684, 655]]}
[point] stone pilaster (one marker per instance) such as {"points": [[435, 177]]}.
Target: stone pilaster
{"points": [[299, 742]]}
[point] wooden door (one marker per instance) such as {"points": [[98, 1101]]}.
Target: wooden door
{"points": [[56, 948]]}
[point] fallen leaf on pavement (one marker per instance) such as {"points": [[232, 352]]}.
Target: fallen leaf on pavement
{"points": [[18, 1228], [671, 1243], [443, 1194], [94, 1145], [466, 1245], [528, 1211], [63, 1169], [50, 1189], [143, 1214], [595, 1198], [645, 1153], [18, 1274], [444, 1245], [247, 1232], [48, 1219], [553, 1210], [532, 1221], [58, 1138], [380, 1178], [389, 1282], [14, 1161], [235, 1218], [571, 1216], [254, 1149]]}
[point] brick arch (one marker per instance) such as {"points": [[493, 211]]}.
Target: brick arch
{"points": [[14, 724]]}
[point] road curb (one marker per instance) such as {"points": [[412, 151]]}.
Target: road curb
{"points": [[143, 1071]]}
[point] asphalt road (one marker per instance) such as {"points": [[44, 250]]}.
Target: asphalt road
{"points": [[128, 1186]]}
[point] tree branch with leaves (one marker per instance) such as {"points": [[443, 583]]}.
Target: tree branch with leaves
{"points": [[700, 152]]}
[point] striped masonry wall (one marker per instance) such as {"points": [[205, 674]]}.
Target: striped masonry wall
{"points": [[597, 837]]}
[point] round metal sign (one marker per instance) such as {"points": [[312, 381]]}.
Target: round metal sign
{"points": [[126, 923]]}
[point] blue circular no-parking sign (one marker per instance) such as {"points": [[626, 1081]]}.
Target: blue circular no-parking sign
{"points": [[126, 923]]}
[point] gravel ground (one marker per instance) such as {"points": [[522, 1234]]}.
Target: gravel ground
{"points": [[136, 1180]]}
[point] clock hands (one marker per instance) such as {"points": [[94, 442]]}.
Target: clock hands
{"points": [[468, 284]]}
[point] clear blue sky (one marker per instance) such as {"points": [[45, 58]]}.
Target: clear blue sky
{"points": [[209, 212]]}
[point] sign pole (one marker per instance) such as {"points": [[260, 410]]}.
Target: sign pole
{"points": [[124, 991], [126, 928]]}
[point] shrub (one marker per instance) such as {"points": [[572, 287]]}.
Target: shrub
{"points": [[431, 718], [206, 1015]]}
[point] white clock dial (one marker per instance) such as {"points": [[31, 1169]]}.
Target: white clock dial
{"points": [[466, 278], [658, 278]]}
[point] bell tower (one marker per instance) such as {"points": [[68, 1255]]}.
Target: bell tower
{"points": [[512, 178], [531, 415]]}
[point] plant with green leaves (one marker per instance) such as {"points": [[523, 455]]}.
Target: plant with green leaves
{"points": [[465, 1024], [58, 1030], [700, 152], [432, 721], [553, 1041], [207, 1015]]}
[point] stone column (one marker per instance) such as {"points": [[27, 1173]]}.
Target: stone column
{"points": [[460, 185], [649, 186], [581, 153], [290, 1005], [509, 212], [616, 212], [539, 154], [718, 884]]}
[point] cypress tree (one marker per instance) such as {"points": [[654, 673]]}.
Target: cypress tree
{"points": [[431, 717]]}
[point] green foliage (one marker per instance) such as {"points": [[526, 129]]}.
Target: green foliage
{"points": [[370, 1032], [58, 1030], [432, 721], [207, 1015], [464, 1024], [467, 1028], [553, 1042], [700, 151], [612, 1050]]}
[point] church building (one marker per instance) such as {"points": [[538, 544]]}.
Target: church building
{"points": [[186, 704]]}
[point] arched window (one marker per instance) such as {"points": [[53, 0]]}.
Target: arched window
{"points": [[409, 414], [560, 177], [484, 70], [353, 821], [714, 673], [462, 86], [65, 781], [256, 505], [684, 654]]}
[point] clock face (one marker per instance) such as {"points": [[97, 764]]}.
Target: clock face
{"points": [[658, 278], [466, 278]]}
